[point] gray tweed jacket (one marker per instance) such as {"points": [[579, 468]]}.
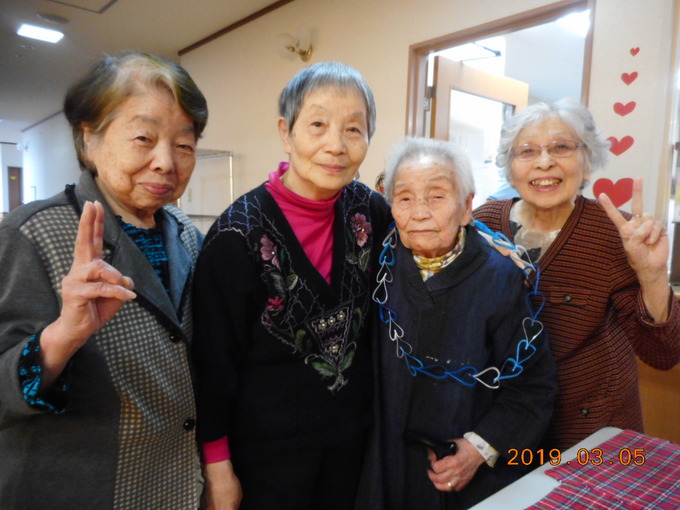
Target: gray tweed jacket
{"points": [[125, 438]]}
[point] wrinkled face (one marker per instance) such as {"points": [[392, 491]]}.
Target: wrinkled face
{"points": [[549, 182], [328, 142], [427, 208], [145, 157]]}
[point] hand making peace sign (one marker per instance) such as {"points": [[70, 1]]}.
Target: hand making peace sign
{"points": [[647, 246], [92, 293]]}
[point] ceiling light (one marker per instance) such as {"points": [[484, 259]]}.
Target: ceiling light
{"points": [[42, 34]]}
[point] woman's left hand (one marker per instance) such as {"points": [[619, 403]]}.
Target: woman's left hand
{"points": [[454, 472], [647, 246]]}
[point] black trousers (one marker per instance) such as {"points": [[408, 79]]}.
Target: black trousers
{"points": [[314, 479]]}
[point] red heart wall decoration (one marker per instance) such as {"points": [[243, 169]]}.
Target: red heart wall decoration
{"points": [[619, 192], [619, 147], [634, 51], [629, 78], [624, 109]]}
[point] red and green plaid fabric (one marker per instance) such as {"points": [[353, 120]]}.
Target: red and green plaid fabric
{"points": [[613, 480]]}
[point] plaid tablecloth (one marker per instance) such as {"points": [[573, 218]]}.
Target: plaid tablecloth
{"points": [[615, 481]]}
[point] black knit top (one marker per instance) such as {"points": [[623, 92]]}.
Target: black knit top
{"points": [[283, 357]]}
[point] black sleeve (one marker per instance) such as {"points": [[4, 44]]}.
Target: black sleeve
{"points": [[225, 287]]}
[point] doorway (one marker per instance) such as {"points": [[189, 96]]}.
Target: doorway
{"points": [[475, 124], [469, 107], [495, 70], [15, 186]]}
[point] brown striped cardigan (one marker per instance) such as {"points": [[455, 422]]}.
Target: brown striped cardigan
{"points": [[596, 322]]}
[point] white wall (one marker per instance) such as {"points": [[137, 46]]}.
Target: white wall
{"points": [[49, 158], [242, 74], [9, 132], [622, 26]]}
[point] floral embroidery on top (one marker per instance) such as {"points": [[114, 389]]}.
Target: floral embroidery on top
{"points": [[361, 229], [275, 303], [358, 234], [273, 256], [322, 331], [330, 332], [270, 251]]}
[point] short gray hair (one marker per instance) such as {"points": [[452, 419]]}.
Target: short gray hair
{"points": [[111, 80], [572, 113], [324, 74], [410, 149]]}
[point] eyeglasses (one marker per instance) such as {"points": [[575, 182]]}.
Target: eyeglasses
{"points": [[556, 149]]}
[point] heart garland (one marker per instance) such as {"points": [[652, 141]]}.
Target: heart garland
{"points": [[489, 377], [620, 191], [618, 147]]}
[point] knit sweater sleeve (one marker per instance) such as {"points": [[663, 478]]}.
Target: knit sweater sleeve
{"points": [[225, 284], [657, 344], [491, 214], [594, 245]]}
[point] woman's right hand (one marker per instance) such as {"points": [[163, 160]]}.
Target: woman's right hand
{"points": [[92, 293], [223, 489]]}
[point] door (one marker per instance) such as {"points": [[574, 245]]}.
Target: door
{"points": [[468, 108], [535, 40], [451, 77], [14, 186]]}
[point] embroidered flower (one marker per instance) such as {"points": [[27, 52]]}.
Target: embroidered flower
{"points": [[361, 229], [275, 303], [269, 251]]}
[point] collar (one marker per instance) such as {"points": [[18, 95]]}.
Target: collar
{"points": [[283, 195], [430, 266]]}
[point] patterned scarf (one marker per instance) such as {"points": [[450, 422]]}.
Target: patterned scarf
{"points": [[430, 266]]}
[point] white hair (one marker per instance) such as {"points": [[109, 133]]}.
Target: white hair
{"points": [[572, 113], [410, 149]]}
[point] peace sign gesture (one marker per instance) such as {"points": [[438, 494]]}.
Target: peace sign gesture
{"points": [[647, 247], [92, 293]]}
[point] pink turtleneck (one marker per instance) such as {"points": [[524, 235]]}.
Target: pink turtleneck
{"points": [[311, 220]]}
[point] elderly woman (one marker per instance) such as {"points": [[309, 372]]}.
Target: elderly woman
{"points": [[460, 359], [96, 397], [282, 299], [603, 274]]}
